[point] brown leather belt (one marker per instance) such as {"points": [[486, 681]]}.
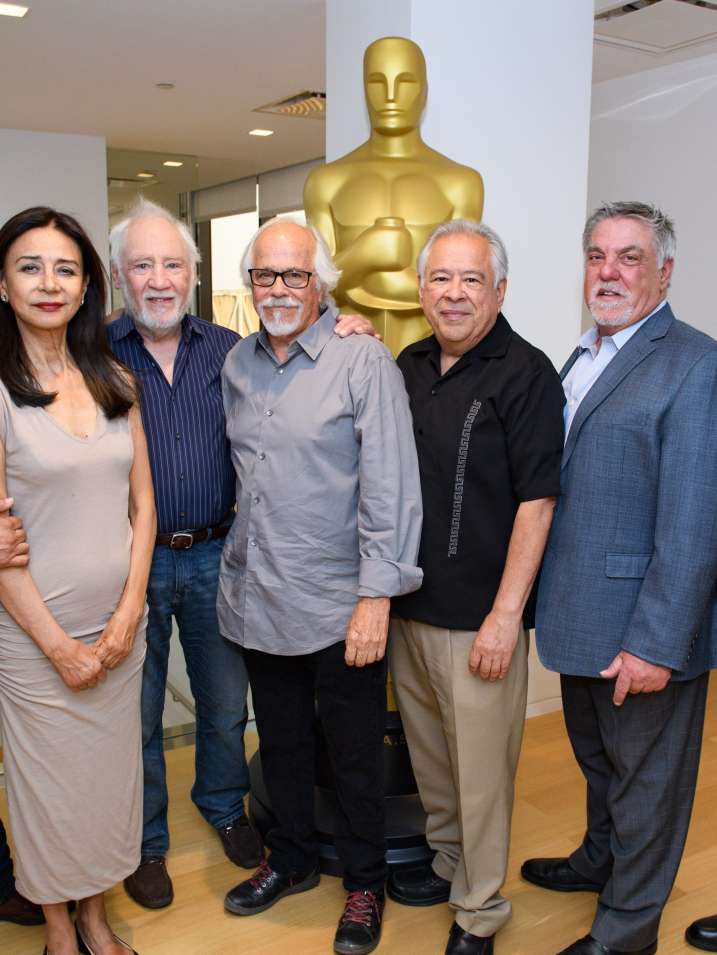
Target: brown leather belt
{"points": [[183, 540]]}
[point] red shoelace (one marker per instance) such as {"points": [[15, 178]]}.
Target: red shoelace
{"points": [[360, 906], [261, 874]]}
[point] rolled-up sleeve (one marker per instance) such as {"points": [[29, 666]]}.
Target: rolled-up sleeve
{"points": [[390, 512]]}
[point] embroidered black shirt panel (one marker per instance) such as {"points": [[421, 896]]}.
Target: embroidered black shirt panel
{"points": [[489, 435]]}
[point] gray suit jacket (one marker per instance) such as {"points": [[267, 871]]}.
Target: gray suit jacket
{"points": [[631, 561]]}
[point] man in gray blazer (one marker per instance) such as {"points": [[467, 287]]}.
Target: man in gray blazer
{"points": [[627, 604]]}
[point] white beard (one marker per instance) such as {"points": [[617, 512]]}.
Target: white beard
{"points": [[271, 316], [159, 327], [609, 313]]}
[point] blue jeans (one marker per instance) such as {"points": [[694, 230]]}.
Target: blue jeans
{"points": [[7, 882], [183, 585]]}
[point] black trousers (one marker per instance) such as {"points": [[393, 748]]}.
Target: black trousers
{"points": [[351, 704], [7, 881], [640, 761]]}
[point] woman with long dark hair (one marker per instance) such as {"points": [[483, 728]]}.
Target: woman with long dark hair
{"points": [[74, 459]]}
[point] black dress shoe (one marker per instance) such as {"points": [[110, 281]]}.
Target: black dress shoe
{"points": [[265, 888], [558, 875], [242, 843], [703, 934], [590, 946], [16, 908], [461, 942], [150, 885], [359, 928], [418, 886]]}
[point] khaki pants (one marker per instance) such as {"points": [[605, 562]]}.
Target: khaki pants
{"points": [[464, 735]]}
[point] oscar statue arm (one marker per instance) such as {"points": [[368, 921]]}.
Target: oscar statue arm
{"points": [[386, 245], [467, 194]]}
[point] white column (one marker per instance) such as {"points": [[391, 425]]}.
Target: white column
{"points": [[509, 94], [68, 173]]}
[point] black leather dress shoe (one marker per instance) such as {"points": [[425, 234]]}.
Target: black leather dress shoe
{"points": [[16, 908], [461, 942], [558, 875], [418, 886], [703, 934], [265, 888], [590, 946]]}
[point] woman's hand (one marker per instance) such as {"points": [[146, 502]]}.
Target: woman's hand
{"points": [[77, 664], [117, 638]]}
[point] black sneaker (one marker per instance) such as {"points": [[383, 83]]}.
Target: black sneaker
{"points": [[242, 843], [265, 888], [359, 929]]}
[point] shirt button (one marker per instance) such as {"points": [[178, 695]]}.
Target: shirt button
{"points": [[177, 436], [280, 371], [256, 500], [261, 455], [252, 542], [269, 413], [433, 391]]}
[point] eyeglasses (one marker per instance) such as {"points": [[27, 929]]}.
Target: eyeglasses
{"points": [[292, 278]]}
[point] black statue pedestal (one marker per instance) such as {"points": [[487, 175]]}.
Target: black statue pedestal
{"points": [[405, 818]]}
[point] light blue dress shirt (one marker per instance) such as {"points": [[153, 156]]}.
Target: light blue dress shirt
{"points": [[594, 358]]}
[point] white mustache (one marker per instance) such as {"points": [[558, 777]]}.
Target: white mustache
{"points": [[614, 287], [280, 301]]}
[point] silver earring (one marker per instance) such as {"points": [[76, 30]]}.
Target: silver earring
{"points": [[82, 302], [3, 296]]}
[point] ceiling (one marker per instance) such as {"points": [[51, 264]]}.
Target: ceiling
{"points": [[91, 67], [662, 33]]}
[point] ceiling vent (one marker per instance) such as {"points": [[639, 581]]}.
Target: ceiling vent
{"points": [[621, 9], [305, 105]]}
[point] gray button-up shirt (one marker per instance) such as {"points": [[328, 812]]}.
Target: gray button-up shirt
{"points": [[328, 491]]}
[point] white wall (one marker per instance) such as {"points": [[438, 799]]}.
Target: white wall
{"points": [[68, 173], [654, 138]]}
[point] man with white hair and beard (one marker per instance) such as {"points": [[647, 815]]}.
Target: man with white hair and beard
{"points": [[626, 605], [177, 359], [327, 531]]}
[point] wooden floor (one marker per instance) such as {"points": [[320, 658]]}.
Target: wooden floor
{"points": [[548, 820]]}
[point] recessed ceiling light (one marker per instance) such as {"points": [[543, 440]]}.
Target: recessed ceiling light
{"points": [[12, 10], [172, 162], [164, 86], [261, 132], [145, 174]]}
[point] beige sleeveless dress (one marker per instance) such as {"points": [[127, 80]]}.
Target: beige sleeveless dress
{"points": [[73, 760]]}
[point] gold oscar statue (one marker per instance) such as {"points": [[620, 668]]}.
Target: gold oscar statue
{"points": [[377, 205]]}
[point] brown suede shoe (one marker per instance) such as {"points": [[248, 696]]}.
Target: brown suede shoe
{"points": [[242, 843], [150, 884], [16, 908]]}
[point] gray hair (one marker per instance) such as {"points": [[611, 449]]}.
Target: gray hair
{"points": [[661, 226], [325, 270], [144, 209], [499, 254]]}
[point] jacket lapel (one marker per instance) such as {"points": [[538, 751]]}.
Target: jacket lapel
{"points": [[642, 343]]}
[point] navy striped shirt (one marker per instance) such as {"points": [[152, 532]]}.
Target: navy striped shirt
{"points": [[184, 422]]}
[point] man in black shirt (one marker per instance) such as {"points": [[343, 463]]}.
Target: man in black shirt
{"points": [[487, 413]]}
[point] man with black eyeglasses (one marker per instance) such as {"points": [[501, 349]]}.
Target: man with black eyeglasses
{"points": [[177, 358], [327, 531]]}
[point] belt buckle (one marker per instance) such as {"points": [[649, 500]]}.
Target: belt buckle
{"points": [[181, 540]]}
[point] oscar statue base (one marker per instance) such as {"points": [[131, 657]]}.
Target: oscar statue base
{"points": [[405, 819]]}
